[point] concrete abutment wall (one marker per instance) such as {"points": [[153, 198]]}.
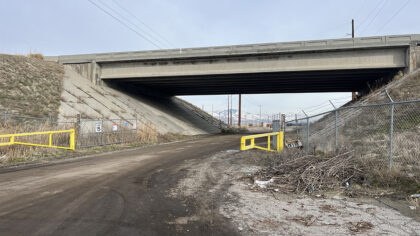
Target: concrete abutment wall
{"points": [[88, 70]]}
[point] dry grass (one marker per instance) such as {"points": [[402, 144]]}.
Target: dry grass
{"points": [[144, 134], [18, 153], [147, 133], [29, 85], [298, 172], [366, 130], [38, 56]]}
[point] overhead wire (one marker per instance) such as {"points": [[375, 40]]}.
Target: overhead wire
{"points": [[359, 11], [147, 34], [370, 13], [123, 23], [144, 24], [394, 15], [376, 15]]}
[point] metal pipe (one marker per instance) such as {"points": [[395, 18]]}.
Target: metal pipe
{"points": [[307, 131], [391, 128]]}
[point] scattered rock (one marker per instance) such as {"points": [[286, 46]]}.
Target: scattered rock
{"points": [[360, 227]]}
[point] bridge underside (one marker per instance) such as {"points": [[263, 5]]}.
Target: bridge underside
{"points": [[255, 83]]}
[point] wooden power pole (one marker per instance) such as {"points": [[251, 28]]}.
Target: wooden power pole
{"points": [[228, 112], [239, 110], [231, 110]]}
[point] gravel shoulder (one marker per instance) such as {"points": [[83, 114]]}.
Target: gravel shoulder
{"points": [[192, 187], [219, 185]]}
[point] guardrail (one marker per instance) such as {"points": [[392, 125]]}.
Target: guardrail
{"points": [[12, 139], [279, 143]]}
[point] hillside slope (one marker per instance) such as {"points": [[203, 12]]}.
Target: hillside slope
{"points": [[30, 86], [366, 130]]}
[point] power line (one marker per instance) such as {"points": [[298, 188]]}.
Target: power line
{"points": [[341, 98], [143, 23], [370, 13], [247, 98], [373, 19], [319, 108], [359, 11], [395, 14], [123, 23], [130, 22]]}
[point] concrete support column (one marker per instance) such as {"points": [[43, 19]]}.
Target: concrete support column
{"points": [[94, 76], [413, 56]]}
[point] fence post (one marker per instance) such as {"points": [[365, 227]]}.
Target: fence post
{"points": [[136, 131], [79, 130], [307, 131], [50, 119], [336, 130], [336, 127], [121, 131], [283, 127], [102, 133], [391, 128]]}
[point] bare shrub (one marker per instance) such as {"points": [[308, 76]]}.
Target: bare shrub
{"points": [[38, 56], [147, 133]]}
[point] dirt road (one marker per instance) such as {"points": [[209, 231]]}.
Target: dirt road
{"points": [[122, 193]]}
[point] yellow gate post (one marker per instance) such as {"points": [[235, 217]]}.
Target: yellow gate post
{"points": [[268, 135], [12, 139]]}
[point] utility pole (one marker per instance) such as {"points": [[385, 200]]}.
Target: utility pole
{"points": [[231, 110], [228, 111], [239, 110], [353, 94], [211, 110], [260, 113]]}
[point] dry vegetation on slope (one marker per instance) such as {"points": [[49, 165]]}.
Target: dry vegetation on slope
{"points": [[29, 85]]}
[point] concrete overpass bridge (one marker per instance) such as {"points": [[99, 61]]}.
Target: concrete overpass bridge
{"points": [[333, 65]]}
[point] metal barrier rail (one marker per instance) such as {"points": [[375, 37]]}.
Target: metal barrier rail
{"points": [[49, 133], [279, 144]]}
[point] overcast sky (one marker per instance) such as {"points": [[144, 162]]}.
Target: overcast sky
{"points": [[78, 26]]}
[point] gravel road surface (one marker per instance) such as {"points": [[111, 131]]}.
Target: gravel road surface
{"points": [[120, 193]]}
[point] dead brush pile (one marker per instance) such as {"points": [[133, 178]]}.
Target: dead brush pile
{"points": [[310, 173]]}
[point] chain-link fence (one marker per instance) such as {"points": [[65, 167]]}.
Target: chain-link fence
{"points": [[99, 132], [389, 132], [12, 122], [90, 132]]}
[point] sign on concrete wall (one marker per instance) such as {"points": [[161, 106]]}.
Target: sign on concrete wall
{"points": [[98, 127], [114, 127]]}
